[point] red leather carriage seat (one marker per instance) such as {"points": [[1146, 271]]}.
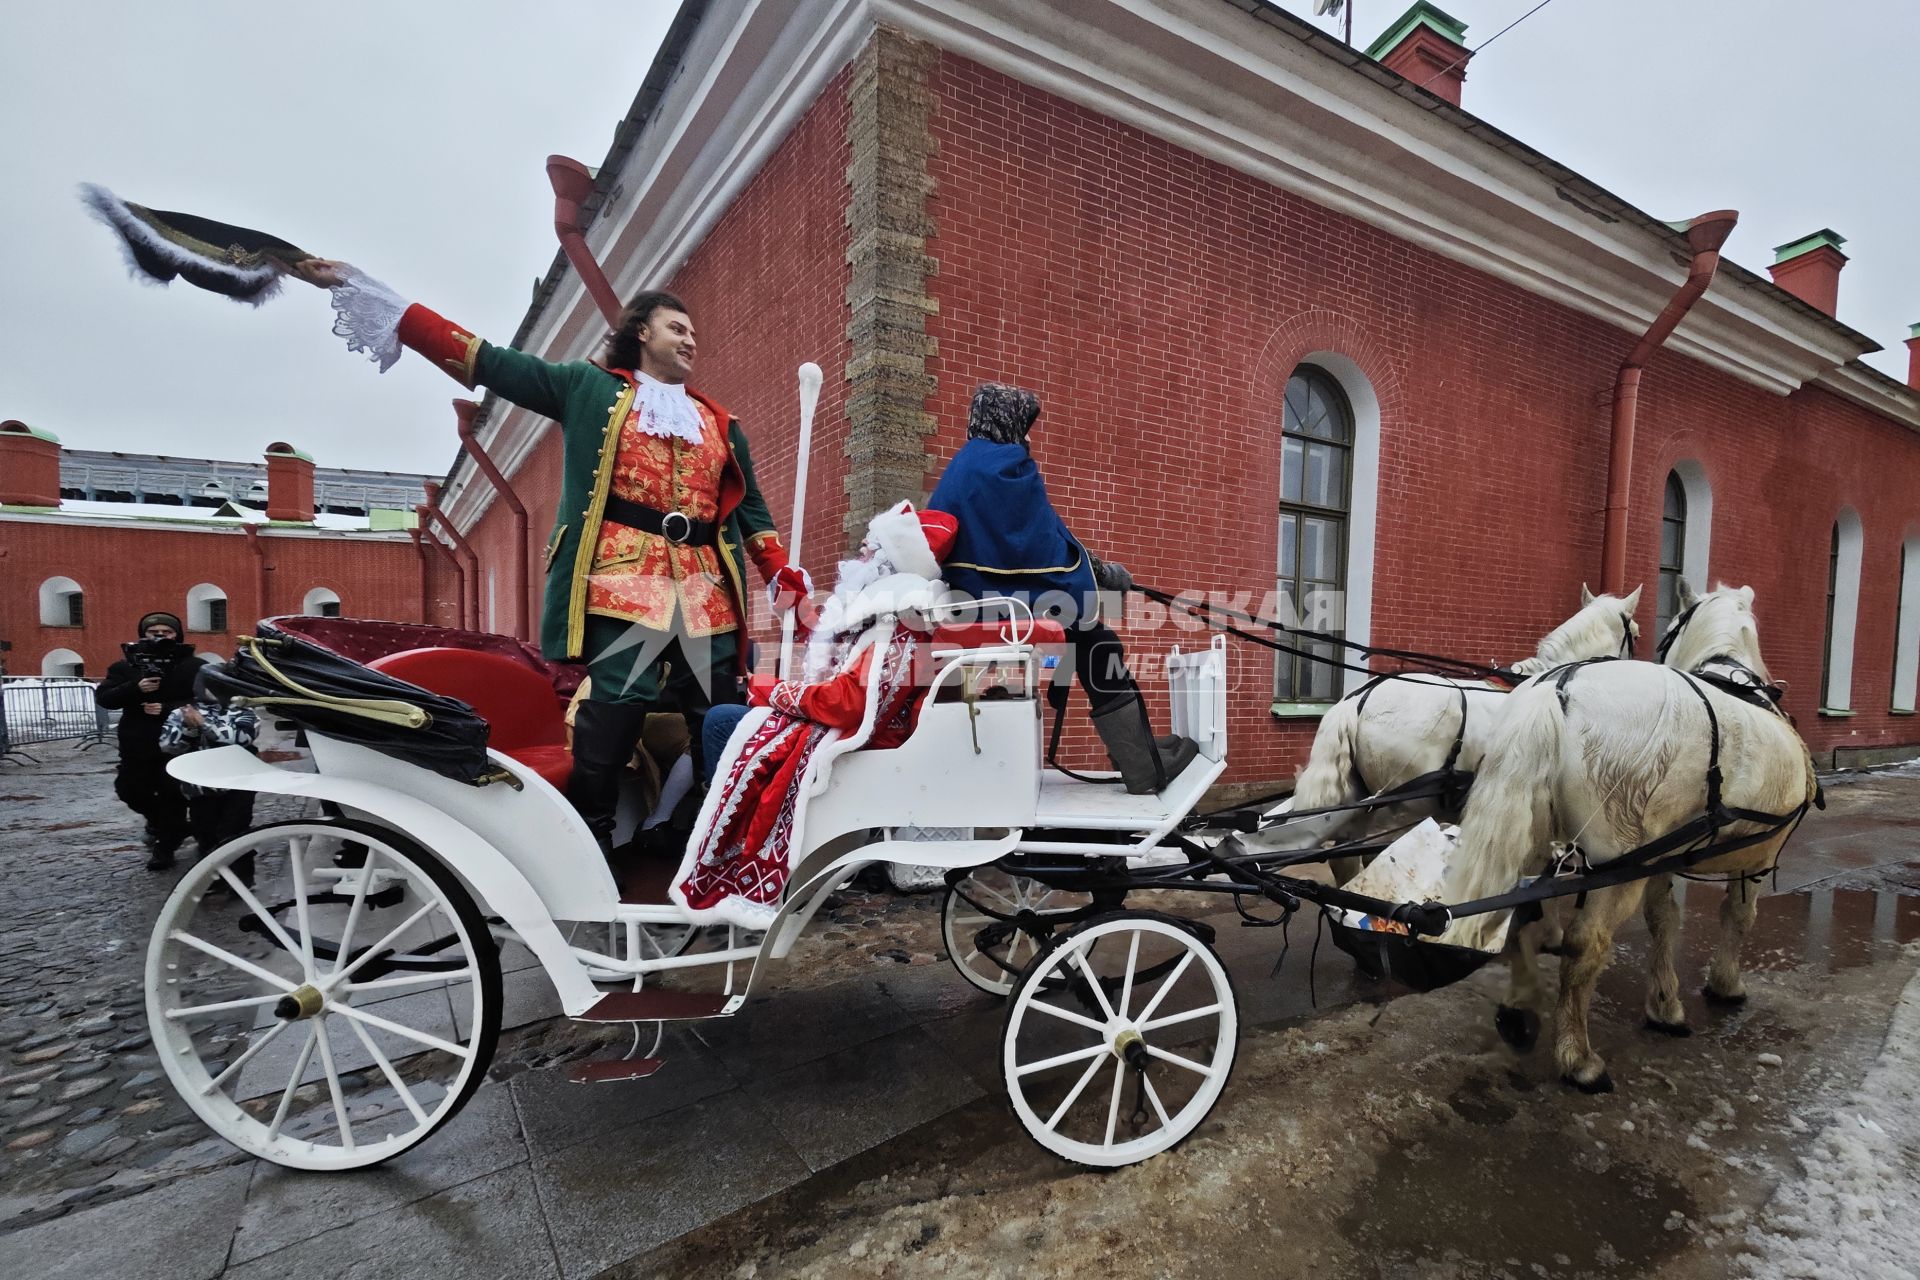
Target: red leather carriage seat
{"points": [[524, 717], [986, 635]]}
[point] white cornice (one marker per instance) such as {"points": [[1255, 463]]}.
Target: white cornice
{"points": [[1873, 390], [150, 525]]}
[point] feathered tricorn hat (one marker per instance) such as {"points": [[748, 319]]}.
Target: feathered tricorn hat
{"points": [[238, 262]]}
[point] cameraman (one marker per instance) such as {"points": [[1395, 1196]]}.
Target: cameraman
{"points": [[155, 677]]}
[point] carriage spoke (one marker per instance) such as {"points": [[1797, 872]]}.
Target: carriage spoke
{"points": [[421, 1037], [1073, 1095], [293, 1083], [1113, 1107], [1179, 1061], [345, 945], [1171, 981], [386, 1069], [227, 957], [1012, 906], [260, 913], [1093, 983], [410, 980], [340, 1121], [1174, 1019], [338, 976], [1068, 1015], [244, 1058], [296, 866], [1153, 1096], [1061, 1060], [224, 1006], [1126, 984]]}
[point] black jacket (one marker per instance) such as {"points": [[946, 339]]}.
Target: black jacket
{"points": [[120, 691]]}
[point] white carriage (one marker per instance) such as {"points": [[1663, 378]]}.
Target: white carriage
{"points": [[327, 992]]}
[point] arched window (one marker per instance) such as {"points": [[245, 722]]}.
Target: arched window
{"points": [[62, 603], [1906, 635], [1316, 488], [1673, 541], [62, 662], [1843, 608], [321, 603], [206, 608]]}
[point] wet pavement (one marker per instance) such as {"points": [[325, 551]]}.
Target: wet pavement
{"points": [[852, 1123]]}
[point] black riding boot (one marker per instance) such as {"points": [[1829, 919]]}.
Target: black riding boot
{"points": [[604, 736], [1145, 766]]}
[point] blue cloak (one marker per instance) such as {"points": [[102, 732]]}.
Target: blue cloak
{"points": [[1011, 540]]}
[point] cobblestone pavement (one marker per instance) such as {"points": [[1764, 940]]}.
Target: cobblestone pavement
{"points": [[85, 1113]]}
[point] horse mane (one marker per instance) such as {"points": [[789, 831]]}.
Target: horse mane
{"points": [[1587, 634], [1722, 626]]}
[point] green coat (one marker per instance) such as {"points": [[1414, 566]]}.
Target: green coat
{"points": [[591, 404]]}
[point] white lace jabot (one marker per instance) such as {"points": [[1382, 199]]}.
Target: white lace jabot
{"points": [[665, 409]]}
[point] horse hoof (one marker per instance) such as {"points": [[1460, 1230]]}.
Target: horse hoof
{"points": [[1602, 1083], [1724, 1001], [1518, 1027], [1677, 1030]]}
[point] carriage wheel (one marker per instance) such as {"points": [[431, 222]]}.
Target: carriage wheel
{"points": [[1116, 1054], [976, 924], [323, 1017]]}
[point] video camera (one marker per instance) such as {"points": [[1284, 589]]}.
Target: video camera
{"points": [[152, 658]]}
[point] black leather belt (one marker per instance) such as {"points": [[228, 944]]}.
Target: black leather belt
{"points": [[674, 526]]}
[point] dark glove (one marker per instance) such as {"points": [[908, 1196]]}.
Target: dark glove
{"points": [[1110, 575]]}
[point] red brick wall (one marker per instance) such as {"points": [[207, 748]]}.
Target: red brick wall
{"points": [[127, 572], [1157, 301], [768, 291]]}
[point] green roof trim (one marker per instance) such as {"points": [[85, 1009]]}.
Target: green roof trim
{"points": [[1824, 238], [17, 428], [1422, 14], [290, 453], [386, 520], [1913, 331]]}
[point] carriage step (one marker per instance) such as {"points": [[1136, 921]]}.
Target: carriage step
{"points": [[656, 1006], [609, 1070]]}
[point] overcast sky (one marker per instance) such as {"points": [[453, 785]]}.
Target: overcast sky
{"points": [[409, 136]]}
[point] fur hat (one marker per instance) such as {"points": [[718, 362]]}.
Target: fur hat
{"points": [[913, 541]]}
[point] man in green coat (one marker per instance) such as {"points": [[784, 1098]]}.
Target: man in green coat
{"points": [[658, 510]]}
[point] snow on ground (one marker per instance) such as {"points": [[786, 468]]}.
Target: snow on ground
{"points": [[1854, 1210]]}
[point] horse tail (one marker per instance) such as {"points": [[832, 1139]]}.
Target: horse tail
{"points": [[1328, 778], [1508, 819]]}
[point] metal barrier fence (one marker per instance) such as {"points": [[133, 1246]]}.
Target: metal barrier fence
{"points": [[48, 709]]}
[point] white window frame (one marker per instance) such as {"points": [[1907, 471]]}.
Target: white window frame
{"points": [[1906, 635], [53, 601], [1837, 697]]}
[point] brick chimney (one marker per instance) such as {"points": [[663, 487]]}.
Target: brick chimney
{"points": [[1809, 269], [1913, 356], [289, 484], [29, 466], [1429, 47]]}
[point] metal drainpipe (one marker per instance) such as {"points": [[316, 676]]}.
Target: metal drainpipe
{"points": [[463, 410], [426, 584], [572, 184], [1705, 234], [259, 570], [459, 540], [425, 515]]}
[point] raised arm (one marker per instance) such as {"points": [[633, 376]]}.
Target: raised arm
{"points": [[376, 320]]}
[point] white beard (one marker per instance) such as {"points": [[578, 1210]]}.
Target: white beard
{"points": [[843, 617]]}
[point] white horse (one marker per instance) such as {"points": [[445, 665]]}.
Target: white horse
{"points": [[1400, 729], [1620, 764]]}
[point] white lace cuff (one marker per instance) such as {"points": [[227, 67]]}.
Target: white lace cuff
{"points": [[367, 314]]}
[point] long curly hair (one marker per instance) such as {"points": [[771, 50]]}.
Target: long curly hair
{"points": [[622, 349]]}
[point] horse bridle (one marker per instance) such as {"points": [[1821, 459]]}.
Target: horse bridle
{"points": [[1627, 638], [1674, 629]]}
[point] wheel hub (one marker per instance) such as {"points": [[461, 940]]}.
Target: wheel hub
{"points": [[302, 1002]]}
